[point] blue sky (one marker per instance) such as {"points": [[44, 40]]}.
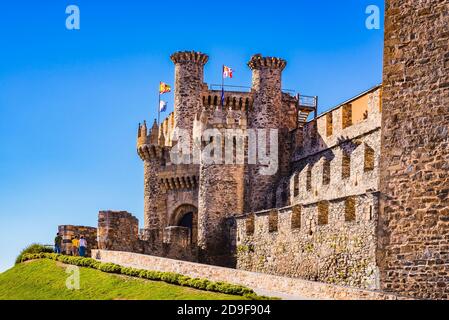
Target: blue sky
{"points": [[70, 101]]}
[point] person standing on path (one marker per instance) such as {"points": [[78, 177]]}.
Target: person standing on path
{"points": [[58, 241], [75, 245], [83, 246]]}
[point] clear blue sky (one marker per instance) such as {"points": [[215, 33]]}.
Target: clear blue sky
{"points": [[70, 101]]}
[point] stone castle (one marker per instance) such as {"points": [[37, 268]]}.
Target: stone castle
{"points": [[360, 194]]}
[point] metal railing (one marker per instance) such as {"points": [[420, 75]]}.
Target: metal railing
{"points": [[242, 88], [218, 87], [307, 101]]}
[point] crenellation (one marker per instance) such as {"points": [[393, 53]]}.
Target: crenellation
{"points": [[338, 251], [235, 100]]}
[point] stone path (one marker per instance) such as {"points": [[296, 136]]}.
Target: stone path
{"points": [[280, 295]]}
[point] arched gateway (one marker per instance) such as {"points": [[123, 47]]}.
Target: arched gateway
{"points": [[186, 215]]}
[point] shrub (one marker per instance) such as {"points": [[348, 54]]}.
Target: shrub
{"points": [[110, 268], [169, 277], [33, 249], [131, 272]]}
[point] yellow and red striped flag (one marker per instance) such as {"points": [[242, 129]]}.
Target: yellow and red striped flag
{"points": [[164, 88]]}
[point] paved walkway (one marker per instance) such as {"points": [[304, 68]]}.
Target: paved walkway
{"points": [[280, 295]]}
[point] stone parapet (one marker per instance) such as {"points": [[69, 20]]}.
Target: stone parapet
{"points": [[258, 281]]}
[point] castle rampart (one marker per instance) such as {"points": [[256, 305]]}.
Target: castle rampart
{"points": [[327, 241], [332, 161]]}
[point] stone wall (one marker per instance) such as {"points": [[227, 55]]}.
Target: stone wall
{"points": [[414, 215], [67, 232], [262, 283], [119, 231], [333, 242], [358, 144]]}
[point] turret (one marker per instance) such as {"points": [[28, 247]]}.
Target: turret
{"points": [[266, 114], [151, 151], [189, 69], [267, 88]]}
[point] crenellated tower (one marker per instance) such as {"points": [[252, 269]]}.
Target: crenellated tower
{"points": [[151, 150], [266, 115], [189, 82]]}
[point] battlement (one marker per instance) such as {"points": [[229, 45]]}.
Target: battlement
{"points": [[308, 217], [258, 62], [150, 145], [166, 129], [354, 118], [179, 177], [233, 99], [147, 152], [218, 118], [328, 241], [189, 56]]}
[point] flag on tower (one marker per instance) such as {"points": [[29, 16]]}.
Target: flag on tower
{"points": [[162, 106], [164, 88], [227, 72]]}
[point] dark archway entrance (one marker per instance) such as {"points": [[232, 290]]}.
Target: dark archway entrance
{"points": [[187, 221], [186, 216]]}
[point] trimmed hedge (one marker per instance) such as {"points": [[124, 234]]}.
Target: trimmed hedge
{"points": [[168, 277], [33, 248]]}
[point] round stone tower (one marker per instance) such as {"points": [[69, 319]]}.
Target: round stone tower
{"points": [[265, 115], [189, 82], [150, 150]]}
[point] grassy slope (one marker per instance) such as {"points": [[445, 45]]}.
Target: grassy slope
{"points": [[45, 280]]}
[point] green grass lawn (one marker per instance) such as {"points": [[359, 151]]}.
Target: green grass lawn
{"points": [[46, 280]]}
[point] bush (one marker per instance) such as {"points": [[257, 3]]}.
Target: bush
{"points": [[169, 277], [110, 268], [33, 249]]}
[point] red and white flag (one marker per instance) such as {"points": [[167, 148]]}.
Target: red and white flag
{"points": [[227, 72]]}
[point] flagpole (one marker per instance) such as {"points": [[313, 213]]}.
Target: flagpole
{"points": [[159, 105], [222, 87]]}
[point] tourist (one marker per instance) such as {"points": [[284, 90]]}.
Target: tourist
{"points": [[58, 241], [83, 246], [75, 245]]}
